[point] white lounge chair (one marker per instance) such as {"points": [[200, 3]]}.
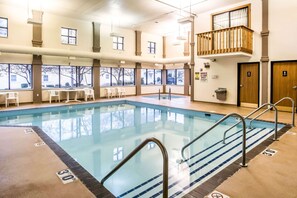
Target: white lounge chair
{"points": [[89, 93], [54, 94], [14, 96]]}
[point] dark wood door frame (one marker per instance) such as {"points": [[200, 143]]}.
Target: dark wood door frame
{"points": [[238, 80]]}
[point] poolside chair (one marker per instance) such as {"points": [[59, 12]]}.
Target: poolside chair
{"points": [[54, 94], [89, 93], [110, 92], [120, 92], [14, 96]]}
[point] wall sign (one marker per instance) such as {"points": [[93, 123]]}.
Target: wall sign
{"points": [[285, 73], [66, 176], [204, 76], [197, 75], [249, 74]]}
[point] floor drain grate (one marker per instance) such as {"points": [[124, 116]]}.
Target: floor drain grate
{"points": [[269, 152]]}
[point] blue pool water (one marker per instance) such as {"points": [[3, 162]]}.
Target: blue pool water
{"points": [[100, 135]]}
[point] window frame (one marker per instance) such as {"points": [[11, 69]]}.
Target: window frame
{"points": [[152, 47], [77, 75], [123, 77], [146, 81], [117, 43], [248, 6], [15, 77], [4, 28], [68, 36], [175, 77]]}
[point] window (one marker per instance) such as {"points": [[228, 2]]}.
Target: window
{"points": [[45, 78], [118, 42], [116, 76], [175, 77], [66, 76], [68, 36], [170, 80], [3, 27], [15, 76], [129, 77], [118, 154], [231, 18], [158, 77], [180, 77], [151, 47], [151, 77]]}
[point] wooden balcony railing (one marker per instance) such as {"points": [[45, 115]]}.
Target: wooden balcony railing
{"points": [[234, 39]]}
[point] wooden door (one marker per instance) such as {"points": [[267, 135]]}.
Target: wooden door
{"points": [[284, 82], [249, 84]]}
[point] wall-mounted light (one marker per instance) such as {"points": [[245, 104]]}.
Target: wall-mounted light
{"points": [[122, 62]]}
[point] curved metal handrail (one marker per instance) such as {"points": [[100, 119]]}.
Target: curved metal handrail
{"points": [[253, 112], [138, 148], [285, 98], [216, 124]]}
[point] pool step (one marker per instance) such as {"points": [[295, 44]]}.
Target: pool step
{"points": [[199, 167]]}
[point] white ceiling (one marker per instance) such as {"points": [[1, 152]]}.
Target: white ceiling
{"points": [[155, 16]]}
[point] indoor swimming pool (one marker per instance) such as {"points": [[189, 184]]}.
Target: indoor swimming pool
{"points": [[100, 135]]}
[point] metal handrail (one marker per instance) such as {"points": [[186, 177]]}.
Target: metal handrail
{"points": [[169, 95], [216, 124], [293, 110], [138, 148], [252, 113], [159, 94]]}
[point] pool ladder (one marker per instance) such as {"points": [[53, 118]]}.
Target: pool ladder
{"points": [[243, 164], [169, 94], [135, 151], [271, 106]]}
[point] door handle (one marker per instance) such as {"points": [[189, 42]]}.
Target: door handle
{"points": [[242, 85], [295, 87]]}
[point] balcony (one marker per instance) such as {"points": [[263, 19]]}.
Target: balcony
{"points": [[234, 41]]}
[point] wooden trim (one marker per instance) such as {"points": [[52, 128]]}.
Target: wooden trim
{"points": [[271, 76], [238, 81], [138, 43]]}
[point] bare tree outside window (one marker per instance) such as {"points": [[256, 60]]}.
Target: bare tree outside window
{"points": [[67, 76], [116, 76]]}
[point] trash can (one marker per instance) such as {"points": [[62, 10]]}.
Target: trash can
{"points": [[221, 93]]}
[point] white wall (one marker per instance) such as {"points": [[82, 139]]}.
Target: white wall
{"points": [[106, 40], [283, 31], [145, 38], [19, 33], [173, 50], [175, 89], [147, 89]]}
